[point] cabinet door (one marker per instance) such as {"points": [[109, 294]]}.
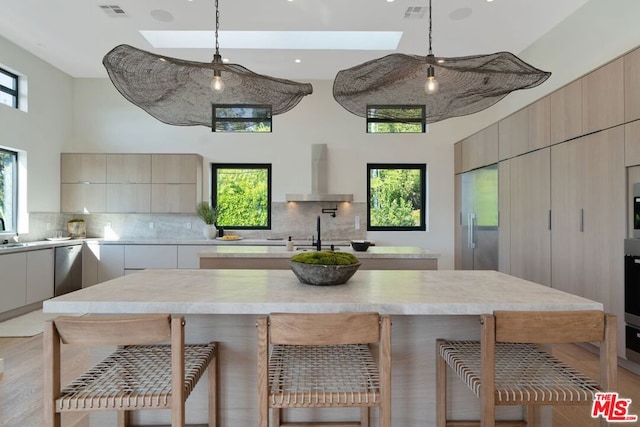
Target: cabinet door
{"points": [[566, 112], [173, 198], [83, 198], [632, 144], [175, 168], [457, 257], [632, 86], [504, 215], [188, 255], [480, 149], [128, 198], [530, 195], [13, 286], [603, 97], [40, 275], [129, 168], [110, 262], [150, 256], [567, 238], [513, 134], [539, 124], [85, 168]]}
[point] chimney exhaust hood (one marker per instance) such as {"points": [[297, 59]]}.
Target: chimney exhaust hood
{"points": [[319, 179]]}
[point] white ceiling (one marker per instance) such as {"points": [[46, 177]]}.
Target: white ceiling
{"points": [[74, 35]]}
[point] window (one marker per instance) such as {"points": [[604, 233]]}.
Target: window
{"points": [[241, 118], [396, 119], [242, 193], [8, 88], [9, 190], [397, 196]]}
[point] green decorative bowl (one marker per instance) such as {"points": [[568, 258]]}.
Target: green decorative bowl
{"points": [[323, 275]]}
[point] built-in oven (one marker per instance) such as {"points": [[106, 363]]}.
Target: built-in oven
{"points": [[636, 210], [632, 297]]}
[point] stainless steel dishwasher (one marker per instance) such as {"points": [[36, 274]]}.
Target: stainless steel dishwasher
{"points": [[68, 269]]}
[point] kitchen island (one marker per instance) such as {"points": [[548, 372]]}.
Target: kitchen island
{"points": [[275, 257], [223, 305]]}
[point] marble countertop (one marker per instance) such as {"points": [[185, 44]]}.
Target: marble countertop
{"points": [[230, 251], [404, 292], [36, 245]]}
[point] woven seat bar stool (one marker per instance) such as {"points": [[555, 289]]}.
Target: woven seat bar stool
{"points": [[144, 372], [324, 361], [508, 366]]}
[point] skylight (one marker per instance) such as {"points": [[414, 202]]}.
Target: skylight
{"points": [[296, 40]]}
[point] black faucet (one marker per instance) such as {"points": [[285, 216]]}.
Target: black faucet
{"points": [[319, 242], [2, 228]]}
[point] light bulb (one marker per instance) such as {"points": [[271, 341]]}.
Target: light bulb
{"points": [[431, 85], [217, 85]]}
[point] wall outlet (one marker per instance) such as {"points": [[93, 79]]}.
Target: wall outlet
{"points": [[108, 225], [187, 225], [48, 226], [357, 222], [151, 225]]}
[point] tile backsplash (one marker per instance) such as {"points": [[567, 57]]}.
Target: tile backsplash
{"points": [[295, 219]]}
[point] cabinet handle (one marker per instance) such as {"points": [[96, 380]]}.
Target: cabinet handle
{"points": [[581, 220], [549, 219], [472, 217]]}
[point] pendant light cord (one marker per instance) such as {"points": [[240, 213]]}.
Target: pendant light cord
{"points": [[217, 55], [430, 25]]}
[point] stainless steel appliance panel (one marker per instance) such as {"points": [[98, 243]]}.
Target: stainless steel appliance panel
{"points": [[636, 210], [479, 219], [633, 343], [68, 269]]}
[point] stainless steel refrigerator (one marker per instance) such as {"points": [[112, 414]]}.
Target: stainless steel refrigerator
{"points": [[479, 219]]}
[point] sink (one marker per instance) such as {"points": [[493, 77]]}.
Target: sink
{"points": [[313, 248]]}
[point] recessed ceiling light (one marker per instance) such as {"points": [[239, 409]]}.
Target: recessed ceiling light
{"points": [[389, 1], [299, 40], [297, 60]]}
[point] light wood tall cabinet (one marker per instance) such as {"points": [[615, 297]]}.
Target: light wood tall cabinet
{"points": [[513, 134], [632, 144], [588, 218], [565, 106], [529, 217], [480, 149], [632, 86]]}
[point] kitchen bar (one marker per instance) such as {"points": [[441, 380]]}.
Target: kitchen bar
{"points": [[223, 305]]}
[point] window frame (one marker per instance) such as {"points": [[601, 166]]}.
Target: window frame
{"points": [[14, 93], [422, 167], [422, 120], [12, 228], [215, 119], [214, 190]]}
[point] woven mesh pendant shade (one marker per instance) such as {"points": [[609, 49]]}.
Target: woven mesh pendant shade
{"points": [[178, 92], [466, 84], [181, 93]]}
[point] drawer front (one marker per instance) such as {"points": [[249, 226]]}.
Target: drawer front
{"points": [[150, 256]]}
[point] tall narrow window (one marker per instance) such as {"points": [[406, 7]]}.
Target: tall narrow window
{"points": [[397, 196], [242, 194], [8, 190], [8, 88]]}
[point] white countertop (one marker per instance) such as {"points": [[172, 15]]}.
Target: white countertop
{"points": [[231, 251], [396, 292]]}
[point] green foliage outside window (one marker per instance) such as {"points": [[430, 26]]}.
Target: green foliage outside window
{"points": [[397, 197], [8, 172], [242, 195]]}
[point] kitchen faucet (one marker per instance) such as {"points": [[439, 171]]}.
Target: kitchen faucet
{"points": [[319, 242], [2, 228]]}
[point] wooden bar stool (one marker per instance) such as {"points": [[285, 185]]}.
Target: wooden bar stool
{"points": [[322, 361], [140, 374], [508, 367]]}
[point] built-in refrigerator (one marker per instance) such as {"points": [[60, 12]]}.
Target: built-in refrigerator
{"points": [[479, 219]]}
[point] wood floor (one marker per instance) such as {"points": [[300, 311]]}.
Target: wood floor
{"points": [[21, 385]]}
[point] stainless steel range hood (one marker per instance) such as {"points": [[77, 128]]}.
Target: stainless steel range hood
{"points": [[319, 179]]}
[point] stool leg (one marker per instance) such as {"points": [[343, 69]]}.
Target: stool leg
{"points": [[441, 388], [276, 414], [124, 418], [364, 416], [213, 389]]}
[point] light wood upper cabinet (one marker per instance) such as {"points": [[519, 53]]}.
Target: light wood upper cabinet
{"points": [[173, 198], [83, 168], [632, 86], [129, 168], [513, 134], [566, 112], [83, 198], [603, 97], [175, 168], [457, 157], [128, 198], [480, 149], [539, 124]]}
